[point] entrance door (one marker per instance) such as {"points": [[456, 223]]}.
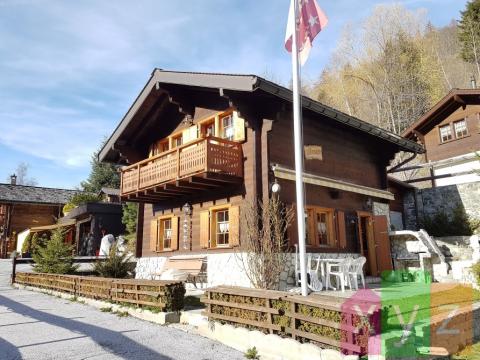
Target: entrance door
{"points": [[382, 243], [367, 241]]}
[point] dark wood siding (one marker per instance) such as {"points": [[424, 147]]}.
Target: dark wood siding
{"points": [[346, 155], [203, 201], [25, 216], [436, 150]]}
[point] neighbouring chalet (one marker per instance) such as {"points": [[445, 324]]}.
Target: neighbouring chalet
{"points": [[23, 207], [450, 133], [195, 146]]}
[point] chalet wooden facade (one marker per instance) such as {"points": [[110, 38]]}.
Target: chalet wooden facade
{"points": [[450, 133], [194, 147], [23, 207]]}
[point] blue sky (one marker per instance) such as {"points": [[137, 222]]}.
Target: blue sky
{"points": [[69, 70]]}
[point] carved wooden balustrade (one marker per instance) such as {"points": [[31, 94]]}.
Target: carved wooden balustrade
{"points": [[199, 158]]}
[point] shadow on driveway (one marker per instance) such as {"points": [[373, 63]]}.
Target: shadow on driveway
{"points": [[112, 341]]}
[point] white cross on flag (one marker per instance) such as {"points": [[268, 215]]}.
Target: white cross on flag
{"points": [[312, 20]]}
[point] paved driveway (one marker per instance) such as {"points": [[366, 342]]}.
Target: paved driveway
{"points": [[38, 326]]}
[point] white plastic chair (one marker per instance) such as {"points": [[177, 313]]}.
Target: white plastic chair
{"points": [[356, 270], [340, 271], [315, 283]]}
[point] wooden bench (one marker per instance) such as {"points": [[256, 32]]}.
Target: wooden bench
{"points": [[194, 267]]}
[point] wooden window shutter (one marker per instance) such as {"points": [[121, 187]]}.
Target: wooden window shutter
{"points": [[153, 235], [175, 233], [234, 226], [341, 230], [189, 134], [217, 126], [239, 127], [204, 228]]}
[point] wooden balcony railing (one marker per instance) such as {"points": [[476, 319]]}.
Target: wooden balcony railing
{"points": [[203, 156]]}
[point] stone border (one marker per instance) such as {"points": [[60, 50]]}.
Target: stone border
{"points": [[162, 318], [269, 347]]}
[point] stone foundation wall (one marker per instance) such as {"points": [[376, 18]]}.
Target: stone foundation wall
{"points": [[228, 268], [427, 202]]}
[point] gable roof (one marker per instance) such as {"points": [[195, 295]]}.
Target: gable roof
{"points": [[110, 191], [444, 108], [247, 84], [34, 194]]}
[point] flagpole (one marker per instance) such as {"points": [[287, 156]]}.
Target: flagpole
{"points": [[297, 133]]}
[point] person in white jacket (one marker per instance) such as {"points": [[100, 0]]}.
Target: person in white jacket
{"points": [[106, 243]]}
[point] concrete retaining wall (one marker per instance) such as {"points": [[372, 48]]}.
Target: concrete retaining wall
{"points": [[269, 346]]}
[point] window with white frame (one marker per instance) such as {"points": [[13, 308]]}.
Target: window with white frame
{"points": [[228, 130], [446, 133], [166, 233], [460, 128], [222, 227]]}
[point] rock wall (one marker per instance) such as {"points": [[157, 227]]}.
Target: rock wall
{"points": [[427, 202], [228, 268]]}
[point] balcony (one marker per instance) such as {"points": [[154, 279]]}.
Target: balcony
{"points": [[199, 165]]}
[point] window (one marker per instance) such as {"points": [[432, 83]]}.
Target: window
{"points": [[460, 128], [222, 226], [208, 129], [319, 227], [228, 130], [164, 146], [445, 133], [177, 141], [322, 228], [166, 233]]}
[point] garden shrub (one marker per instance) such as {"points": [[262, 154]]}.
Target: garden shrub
{"points": [[458, 224], [117, 265], [27, 243], [476, 272], [56, 257]]}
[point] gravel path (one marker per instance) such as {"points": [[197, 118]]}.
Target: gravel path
{"points": [[39, 326]]}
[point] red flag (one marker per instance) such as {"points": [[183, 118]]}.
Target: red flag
{"points": [[312, 21]]}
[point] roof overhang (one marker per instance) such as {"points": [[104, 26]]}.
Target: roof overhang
{"points": [[289, 174], [445, 107], [53, 226], [246, 84]]}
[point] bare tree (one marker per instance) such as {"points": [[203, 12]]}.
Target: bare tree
{"points": [[22, 175], [263, 252]]}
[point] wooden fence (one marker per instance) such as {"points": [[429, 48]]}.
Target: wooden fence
{"points": [[157, 294], [317, 319]]}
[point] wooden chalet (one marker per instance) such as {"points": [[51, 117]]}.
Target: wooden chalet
{"points": [[195, 146], [450, 133], [23, 207]]}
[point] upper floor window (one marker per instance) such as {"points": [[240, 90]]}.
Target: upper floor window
{"points": [[228, 130], [177, 141], [460, 128], [208, 129], [446, 133]]}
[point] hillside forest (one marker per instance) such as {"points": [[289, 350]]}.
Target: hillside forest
{"points": [[395, 65]]}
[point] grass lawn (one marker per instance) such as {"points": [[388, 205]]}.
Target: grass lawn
{"points": [[470, 353]]}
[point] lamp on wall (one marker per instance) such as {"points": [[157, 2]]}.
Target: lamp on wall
{"points": [[187, 211], [276, 187]]}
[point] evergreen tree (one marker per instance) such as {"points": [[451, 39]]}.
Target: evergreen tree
{"points": [[101, 175], [129, 219], [56, 257], [469, 34]]}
